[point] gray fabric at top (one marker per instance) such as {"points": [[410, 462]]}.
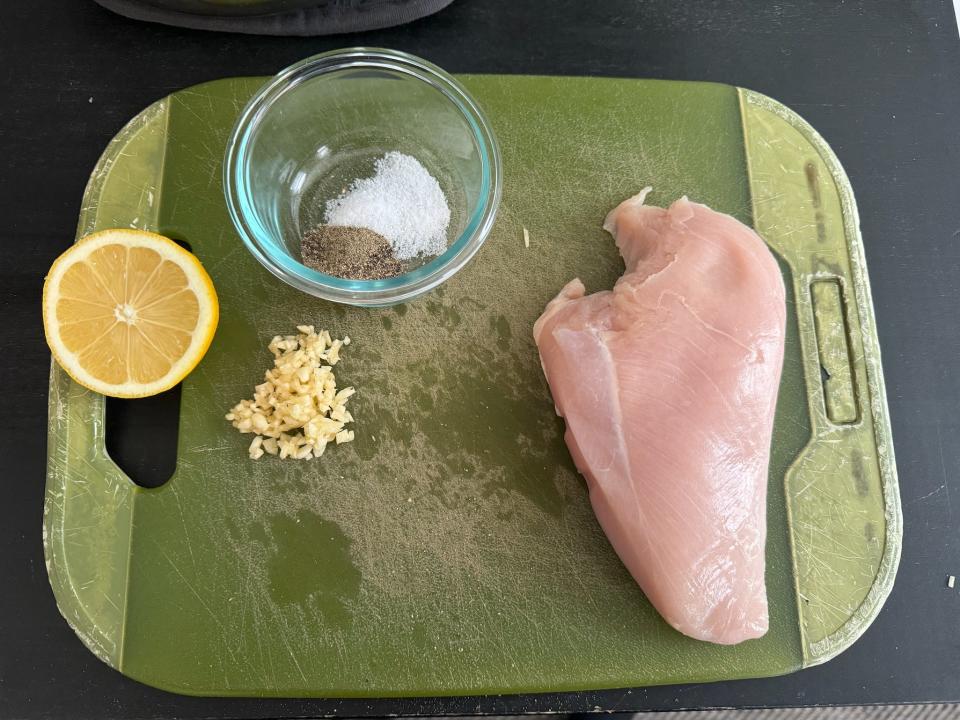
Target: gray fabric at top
{"points": [[329, 17]]}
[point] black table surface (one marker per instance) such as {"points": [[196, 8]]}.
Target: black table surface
{"points": [[880, 79]]}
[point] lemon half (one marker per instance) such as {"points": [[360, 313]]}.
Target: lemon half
{"points": [[128, 313]]}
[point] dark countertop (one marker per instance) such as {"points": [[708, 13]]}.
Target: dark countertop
{"points": [[880, 79]]}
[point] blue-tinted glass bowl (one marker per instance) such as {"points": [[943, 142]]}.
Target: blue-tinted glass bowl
{"points": [[319, 124]]}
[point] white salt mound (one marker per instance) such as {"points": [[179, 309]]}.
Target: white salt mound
{"points": [[402, 201]]}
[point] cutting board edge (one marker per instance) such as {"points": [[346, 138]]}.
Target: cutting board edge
{"points": [[65, 604], [822, 650]]}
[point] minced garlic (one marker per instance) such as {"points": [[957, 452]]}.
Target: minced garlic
{"points": [[297, 410]]}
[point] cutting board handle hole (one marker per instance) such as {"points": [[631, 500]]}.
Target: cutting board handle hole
{"points": [[181, 242], [141, 436]]}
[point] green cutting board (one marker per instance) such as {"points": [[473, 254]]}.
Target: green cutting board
{"points": [[451, 549]]}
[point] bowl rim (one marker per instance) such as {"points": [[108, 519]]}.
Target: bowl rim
{"points": [[361, 292]]}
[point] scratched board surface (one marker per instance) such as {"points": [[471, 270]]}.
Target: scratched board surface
{"points": [[451, 548]]}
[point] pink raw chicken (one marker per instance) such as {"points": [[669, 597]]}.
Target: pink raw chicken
{"points": [[668, 385]]}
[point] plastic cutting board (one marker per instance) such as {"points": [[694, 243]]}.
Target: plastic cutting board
{"points": [[451, 548]]}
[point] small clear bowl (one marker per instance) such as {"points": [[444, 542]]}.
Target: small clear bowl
{"points": [[315, 127]]}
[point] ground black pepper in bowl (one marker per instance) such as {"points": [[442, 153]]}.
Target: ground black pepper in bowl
{"points": [[352, 253]]}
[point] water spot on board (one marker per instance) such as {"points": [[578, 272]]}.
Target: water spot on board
{"points": [[364, 445], [310, 560], [448, 315], [511, 428], [257, 533], [429, 375], [452, 317], [422, 399], [365, 354], [386, 322], [501, 326], [400, 310]]}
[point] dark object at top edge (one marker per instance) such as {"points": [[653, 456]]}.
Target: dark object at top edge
{"points": [[277, 17]]}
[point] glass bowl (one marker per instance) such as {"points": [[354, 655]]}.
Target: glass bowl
{"points": [[315, 127]]}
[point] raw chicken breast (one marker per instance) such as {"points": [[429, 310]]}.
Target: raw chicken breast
{"points": [[668, 385]]}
